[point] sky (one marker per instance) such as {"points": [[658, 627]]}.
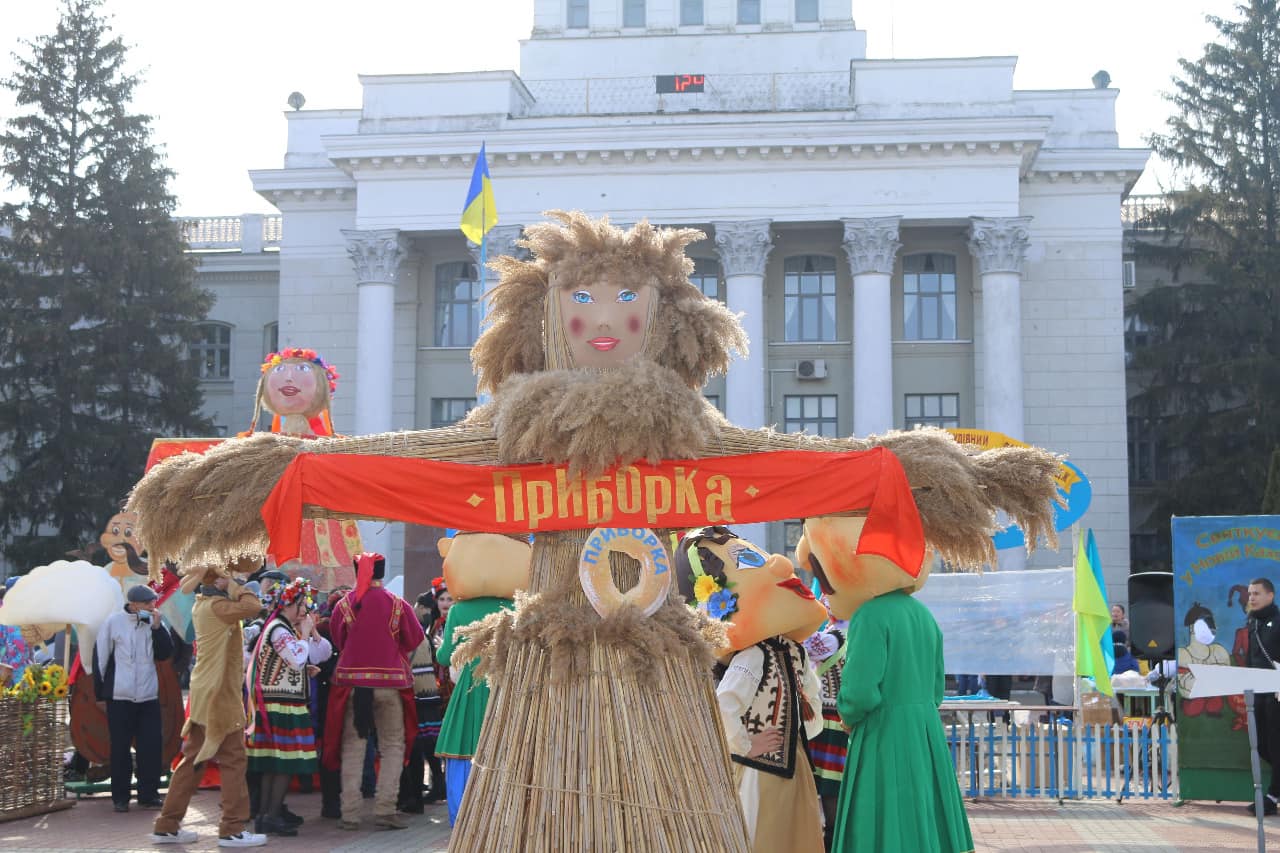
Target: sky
{"points": [[216, 76]]}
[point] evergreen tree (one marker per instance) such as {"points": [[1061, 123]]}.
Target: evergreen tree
{"points": [[98, 304], [1271, 497], [1211, 378]]}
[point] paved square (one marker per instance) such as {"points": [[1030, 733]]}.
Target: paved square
{"points": [[998, 825]]}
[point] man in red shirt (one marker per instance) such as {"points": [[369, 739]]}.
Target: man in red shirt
{"points": [[375, 633]]}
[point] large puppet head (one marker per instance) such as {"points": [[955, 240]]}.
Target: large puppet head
{"points": [[479, 565], [829, 548], [296, 387], [596, 296], [121, 543], [757, 594]]}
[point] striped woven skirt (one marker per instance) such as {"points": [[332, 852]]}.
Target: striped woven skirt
{"points": [[283, 739], [827, 752]]}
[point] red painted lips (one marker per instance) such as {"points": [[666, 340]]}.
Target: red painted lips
{"points": [[604, 344], [797, 586]]}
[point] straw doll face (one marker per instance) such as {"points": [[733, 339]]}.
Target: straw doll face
{"points": [[828, 548], [605, 323], [295, 387], [757, 594], [477, 565]]}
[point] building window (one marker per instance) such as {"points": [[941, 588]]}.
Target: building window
{"points": [[811, 413], [690, 13], [929, 297], [1146, 452], [809, 298], [791, 533], [806, 11], [270, 339], [458, 292], [633, 13], [577, 14], [446, 411], [211, 351], [713, 399], [1138, 334], [940, 410], [706, 277], [748, 11], [1145, 551]]}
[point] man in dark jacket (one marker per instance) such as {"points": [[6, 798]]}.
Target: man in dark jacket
{"points": [[126, 650], [1263, 626]]}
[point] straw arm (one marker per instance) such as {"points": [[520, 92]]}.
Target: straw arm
{"points": [[958, 489]]}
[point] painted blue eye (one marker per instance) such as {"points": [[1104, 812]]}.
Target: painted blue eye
{"points": [[627, 296], [750, 559], [582, 297]]}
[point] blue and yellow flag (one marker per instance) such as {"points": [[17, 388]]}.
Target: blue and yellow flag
{"points": [[480, 213], [1095, 649]]}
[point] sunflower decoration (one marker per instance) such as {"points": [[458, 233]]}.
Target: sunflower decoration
{"points": [[44, 688], [60, 692], [711, 589]]}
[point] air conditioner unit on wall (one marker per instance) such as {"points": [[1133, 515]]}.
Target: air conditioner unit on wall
{"points": [[811, 368], [1130, 275]]}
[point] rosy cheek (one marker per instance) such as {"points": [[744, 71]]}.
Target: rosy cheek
{"points": [[633, 324], [576, 325]]}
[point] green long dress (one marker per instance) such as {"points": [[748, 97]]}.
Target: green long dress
{"points": [[460, 729], [899, 791]]}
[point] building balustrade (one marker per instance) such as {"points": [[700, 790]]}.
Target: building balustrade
{"points": [[251, 232]]}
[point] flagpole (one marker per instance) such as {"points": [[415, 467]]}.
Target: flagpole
{"points": [[483, 271]]}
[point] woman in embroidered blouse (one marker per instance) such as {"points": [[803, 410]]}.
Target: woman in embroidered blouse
{"points": [[283, 742]]}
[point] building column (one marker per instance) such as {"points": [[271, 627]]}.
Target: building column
{"points": [[743, 248], [1000, 246], [376, 256], [871, 246]]}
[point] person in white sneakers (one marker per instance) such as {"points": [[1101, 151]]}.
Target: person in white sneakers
{"points": [[215, 727]]}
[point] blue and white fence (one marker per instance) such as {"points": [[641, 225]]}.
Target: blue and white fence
{"points": [[1064, 761]]}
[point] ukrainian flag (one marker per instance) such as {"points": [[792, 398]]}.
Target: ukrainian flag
{"points": [[480, 213], [1095, 650]]}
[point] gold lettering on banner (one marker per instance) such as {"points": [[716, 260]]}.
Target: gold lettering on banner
{"points": [[630, 492], [599, 500], [628, 487], [657, 497], [568, 497], [500, 480], [686, 494], [540, 501], [719, 506]]}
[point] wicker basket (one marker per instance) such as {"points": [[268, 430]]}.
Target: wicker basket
{"points": [[32, 739]]}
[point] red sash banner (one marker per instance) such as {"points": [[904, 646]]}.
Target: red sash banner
{"points": [[724, 490]]}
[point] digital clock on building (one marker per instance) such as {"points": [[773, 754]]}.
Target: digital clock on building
{"points": [[679, 84]]}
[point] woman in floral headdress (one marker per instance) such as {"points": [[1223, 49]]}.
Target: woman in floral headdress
{"points": [[283, 742]]}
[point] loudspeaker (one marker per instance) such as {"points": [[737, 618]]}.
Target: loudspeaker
{"points": [[1151, 622]]}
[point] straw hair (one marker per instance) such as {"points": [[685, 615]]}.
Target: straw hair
{"points": [[688, 333]]}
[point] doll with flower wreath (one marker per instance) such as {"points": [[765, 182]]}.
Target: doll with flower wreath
{"points": [[296, 387], [595, 353], [768, 696]]}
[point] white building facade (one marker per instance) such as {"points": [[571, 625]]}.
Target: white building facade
{"points": [[908, 241]]}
